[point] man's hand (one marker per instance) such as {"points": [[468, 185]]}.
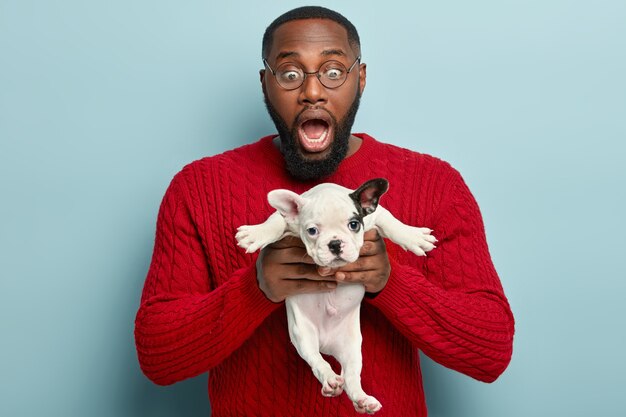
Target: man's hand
{"points": [[372, 269], [284, 268]]}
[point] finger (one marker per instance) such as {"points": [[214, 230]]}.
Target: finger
{"points": [[305, 286], [373, 281], [326, 271], [303, 271], [371, 235], [361, 264], [371, 248], [300, 286], [288, 242], [290, 255], [353, 276]]}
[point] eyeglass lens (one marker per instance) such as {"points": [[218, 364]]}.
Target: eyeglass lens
{"points": [[332, 74]]}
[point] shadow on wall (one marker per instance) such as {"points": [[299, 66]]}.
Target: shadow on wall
{"points": [[184, 399], [130, 392], [445, 396], [139, 396]]}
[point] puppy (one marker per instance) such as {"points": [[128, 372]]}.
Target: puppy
{"points": [[331, 220]]}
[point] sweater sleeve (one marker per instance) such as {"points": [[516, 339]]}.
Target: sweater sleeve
{"points": [[184, 327], [454, 308]]}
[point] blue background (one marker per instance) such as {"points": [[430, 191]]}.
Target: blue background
{"points": [[102, 102]]}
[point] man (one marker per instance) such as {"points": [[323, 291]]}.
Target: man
{"points": [[208, 306]]}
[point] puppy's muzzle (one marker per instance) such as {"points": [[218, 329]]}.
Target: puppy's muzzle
{"points": [[335, 247]]}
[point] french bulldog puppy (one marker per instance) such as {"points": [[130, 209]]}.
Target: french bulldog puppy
{"points": [[331, 220]]}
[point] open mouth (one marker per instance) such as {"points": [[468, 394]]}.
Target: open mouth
{"points": [[314, 135]]}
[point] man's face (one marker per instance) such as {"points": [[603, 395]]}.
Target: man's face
{"points": [[313, 121]]}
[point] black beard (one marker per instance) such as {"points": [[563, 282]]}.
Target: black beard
{"points": [[305, 169]]}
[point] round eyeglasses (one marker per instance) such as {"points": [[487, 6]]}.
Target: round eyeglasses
{"points": [[332, 74]]}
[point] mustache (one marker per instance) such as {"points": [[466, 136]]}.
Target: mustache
{"points": [[313, 108]]}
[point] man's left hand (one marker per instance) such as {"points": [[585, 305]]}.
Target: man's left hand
{"points": [[372, 269]]}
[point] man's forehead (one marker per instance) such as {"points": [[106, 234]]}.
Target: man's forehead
{"points": [[310, 36]]}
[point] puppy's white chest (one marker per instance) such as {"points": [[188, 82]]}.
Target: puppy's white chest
{"points": [[329, 306]]}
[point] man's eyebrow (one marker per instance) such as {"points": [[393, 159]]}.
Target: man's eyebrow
{"points": [[331, 52], [287, 54]]}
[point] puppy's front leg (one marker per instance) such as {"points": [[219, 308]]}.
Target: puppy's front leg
{"points": [[252, 238], [416, 239]]}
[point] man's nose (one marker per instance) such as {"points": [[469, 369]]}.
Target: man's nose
{"points": [[335, 247], [312, 90]]}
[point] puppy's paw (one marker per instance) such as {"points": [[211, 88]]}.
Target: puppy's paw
{"points": [[367, 404], [251, 238], [418, 240], [333, 386]]}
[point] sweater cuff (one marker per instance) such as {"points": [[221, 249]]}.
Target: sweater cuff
{"points": [[390, 298], [251, 295]]}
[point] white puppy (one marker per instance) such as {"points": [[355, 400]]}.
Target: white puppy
{"points": [[331, 220]]}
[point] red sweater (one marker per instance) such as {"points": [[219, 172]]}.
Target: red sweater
{"points": [[202, 310]]}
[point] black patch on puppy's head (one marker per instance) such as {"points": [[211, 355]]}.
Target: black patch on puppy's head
{"points": [[366, 197]]}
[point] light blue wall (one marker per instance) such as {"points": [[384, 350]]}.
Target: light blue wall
{"points": [[101, 102]]}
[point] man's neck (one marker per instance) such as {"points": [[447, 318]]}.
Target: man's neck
{"points": [[354, 144]]}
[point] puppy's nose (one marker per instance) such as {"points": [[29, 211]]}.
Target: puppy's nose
{"points": [[335, 247]]}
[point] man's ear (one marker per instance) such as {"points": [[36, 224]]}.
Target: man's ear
{"points": [[362, 77], [286, 202], [367, 195], [262, 79]]}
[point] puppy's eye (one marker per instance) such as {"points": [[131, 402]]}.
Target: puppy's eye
{"points": [[354, 225], [312, 231]]}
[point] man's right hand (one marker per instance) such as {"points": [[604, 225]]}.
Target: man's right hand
{"points": [[284, 268]]}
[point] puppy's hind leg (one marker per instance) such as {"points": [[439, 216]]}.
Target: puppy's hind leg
{"points": [[305, 337], [350, 358]]}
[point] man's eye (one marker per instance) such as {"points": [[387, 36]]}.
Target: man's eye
{"points": [[333, 73], [290, 76], [312, 231], [354, 225]]}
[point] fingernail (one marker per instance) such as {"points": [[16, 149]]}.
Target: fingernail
{"points": [[323, 270], [340, 275], [331, 285]]}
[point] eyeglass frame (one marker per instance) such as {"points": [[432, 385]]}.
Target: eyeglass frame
{"points": [[316, 73]]}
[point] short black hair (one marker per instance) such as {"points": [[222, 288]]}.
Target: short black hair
{"points": [[310, 12]]}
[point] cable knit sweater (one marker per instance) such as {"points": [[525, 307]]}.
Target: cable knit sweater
{"points": [[202, 310]]}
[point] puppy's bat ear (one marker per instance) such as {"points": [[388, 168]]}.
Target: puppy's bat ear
{"points": [[367, 195], [286, 202]]}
